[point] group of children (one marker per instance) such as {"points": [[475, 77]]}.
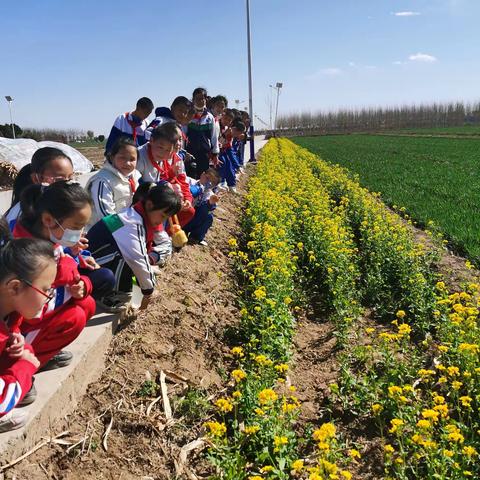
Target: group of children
{"points": [[65, 249]]}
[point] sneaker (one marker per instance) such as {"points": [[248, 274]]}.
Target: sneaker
{"points": [[114, 303], [233, 189], [61, 359], [12, 420], [29, 397], [203, 242]]}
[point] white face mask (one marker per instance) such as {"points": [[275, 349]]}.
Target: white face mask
{"points": [[69, 238]]}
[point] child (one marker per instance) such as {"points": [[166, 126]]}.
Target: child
{"points": [[48, 165], [238, 133], [205, 201], [113, 186], [201, 133], [158, 160], [27, 271], [227, 158], [179, 112], [132, 125], [125, 242], [58, 213]]}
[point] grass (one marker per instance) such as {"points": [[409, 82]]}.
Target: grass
{"points": [[87, 143], [473, 130], [433, 178]]}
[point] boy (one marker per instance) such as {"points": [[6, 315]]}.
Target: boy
{"points": [[205, 201], [178, 112], [158, 160], [201, 133], [131, 124]]}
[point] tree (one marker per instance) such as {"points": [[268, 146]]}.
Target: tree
{"points": [[6, 130], [90, 134], [101, 138]]}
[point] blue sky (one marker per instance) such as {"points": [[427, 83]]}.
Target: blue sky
{"points": [[79, 64]]}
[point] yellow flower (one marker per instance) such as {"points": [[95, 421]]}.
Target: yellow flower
{"points": [[251, 430], [238, 375], [369, 330], [282, 367], [287, 301], [401, 314], [448, 453], [423, 424], [255, 477], [216, 429], [267, 396], [430, 414], [469, 451], [466, 401], [279, 441], [376, 408], [395, 424], [346, 474], [388, 448], [325, 432], [394, 390], [237, 351], [457, 385], [232, 242], [266, 469], [353, 453], [237, 394], [260, 293], [297, 465], [224, 405]]}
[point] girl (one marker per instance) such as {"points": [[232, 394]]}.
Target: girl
{"points": [[113, 186], [58, 213], [27, 271], [227, 158], [126, 242], [48, 165]]}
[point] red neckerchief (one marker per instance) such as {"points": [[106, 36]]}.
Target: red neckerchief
{"points": [[154, 163], [134, 127], [131, 181], [149, 228]]}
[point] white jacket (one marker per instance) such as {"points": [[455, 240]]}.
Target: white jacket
{"points": [[111, 191]]}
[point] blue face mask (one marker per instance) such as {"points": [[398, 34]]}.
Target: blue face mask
{"points": [[69, 238]]}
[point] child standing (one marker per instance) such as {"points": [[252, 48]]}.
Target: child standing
{"points": [[201, 133], [158, 160], [131, 124], [228, 161], [48, 165], [205, 201], [58, 213], [113, 186], [125, 242]]}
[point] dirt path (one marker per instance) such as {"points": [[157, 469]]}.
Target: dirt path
{"points": [[182, 332]]}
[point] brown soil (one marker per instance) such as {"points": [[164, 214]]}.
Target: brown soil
{"points": [[94, 154], [182, 332]]}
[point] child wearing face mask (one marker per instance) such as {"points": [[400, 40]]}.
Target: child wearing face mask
{"points": [[27, 271], [126, 242], [48, 165], [58, 213]]}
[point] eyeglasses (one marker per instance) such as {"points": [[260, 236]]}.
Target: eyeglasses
{"points": [[51, 179], [49, 294]]}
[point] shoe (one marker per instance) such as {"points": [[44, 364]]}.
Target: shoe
{"points": [[61, 359], [29, 397], [114, 303], [233, 189], [203, 243], [12, 420]]}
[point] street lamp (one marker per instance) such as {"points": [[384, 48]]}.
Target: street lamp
{"points": [[9, 99], [278, 86], [250, 100]]}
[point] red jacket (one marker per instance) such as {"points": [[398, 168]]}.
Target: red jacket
{"points": [[15, 374], [67, 274]]}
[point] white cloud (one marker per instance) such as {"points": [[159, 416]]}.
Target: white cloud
{"points": [[406, 14], [324, 72], [422, 57]]}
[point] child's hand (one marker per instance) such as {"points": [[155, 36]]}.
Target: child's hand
{"points": [[30, 357], [90, 263], [215, 160], [78, 290], [186, 205], [145, 302], [213, 200], [82, 244], [15, 343]]}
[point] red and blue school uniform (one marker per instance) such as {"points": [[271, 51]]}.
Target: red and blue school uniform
{"points": [[128, 244], [63, 317], [16, 374], [172, 171], [198, 227], [127, 125], [202, 139], [229, 163]]}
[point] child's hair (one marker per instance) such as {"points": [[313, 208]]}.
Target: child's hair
{"points": [[39, 163], [239, 125], [214, 173], [167, 131], [119, 145], [161, 195], [60, 199], [144, 104], [22, 257], [201, 90], [220, 98], [228, 112], [182, 101]]}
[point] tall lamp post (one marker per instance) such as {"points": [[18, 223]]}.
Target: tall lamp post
{"points": [[250, 95], [9, 99]]}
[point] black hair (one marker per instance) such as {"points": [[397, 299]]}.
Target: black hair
{"points": [[201, 90], [168, 131], [230, 112], [145, 103], [239, 125], [220, 98], [215, 173], [119, 145], [181, 101], [22, 257], [60, 199], [161, 195], [39, 163]]}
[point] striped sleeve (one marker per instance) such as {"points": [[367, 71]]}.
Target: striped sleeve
{"points": [[103, 199]]}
